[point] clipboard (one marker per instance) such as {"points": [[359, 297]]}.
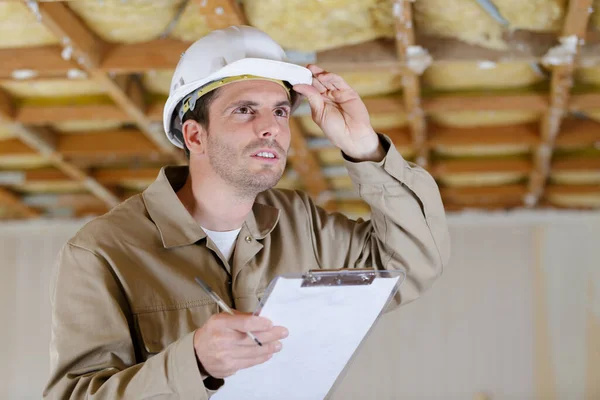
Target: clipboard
{"points": [[328, 313]]}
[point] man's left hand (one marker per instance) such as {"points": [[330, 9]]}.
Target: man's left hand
{"points": [[339, 111]]}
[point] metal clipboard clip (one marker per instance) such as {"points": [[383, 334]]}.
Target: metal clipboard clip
{"points": [[338, 277]]}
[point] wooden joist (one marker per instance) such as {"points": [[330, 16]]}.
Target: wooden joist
{"points": [[405, 38], [574, 28]]}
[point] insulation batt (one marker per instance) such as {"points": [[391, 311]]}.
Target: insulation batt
{"points": [[20, 28], [136, 21]]}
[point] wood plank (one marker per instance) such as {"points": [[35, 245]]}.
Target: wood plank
{"points": [[15, 147], [44, 115], [153, 55], [114, 176], [479, 166], [12, 201], [7, 105], [578, 133], [106, 143], [405, 38], [43, 61], [306, 165], [575, 24], [576, 164], [506, 194], [491, 135]]}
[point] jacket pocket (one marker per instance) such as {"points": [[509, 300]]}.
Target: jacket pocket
{"points": [[158, 329]]}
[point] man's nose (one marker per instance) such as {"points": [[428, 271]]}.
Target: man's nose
{"points": [[267, 126]]}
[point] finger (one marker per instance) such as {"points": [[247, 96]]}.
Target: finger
{"points": [[242, 322], [335, 80], [315, 69], [255, 351], [319, 86], [315, 100], [265, 337]]}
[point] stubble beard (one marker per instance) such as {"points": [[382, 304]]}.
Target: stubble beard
{"points": [[225, 161]]}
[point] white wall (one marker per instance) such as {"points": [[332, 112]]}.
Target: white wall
{"points": [[515, 316]]}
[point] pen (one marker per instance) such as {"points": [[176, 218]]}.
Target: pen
{"points": [[222, 304]]}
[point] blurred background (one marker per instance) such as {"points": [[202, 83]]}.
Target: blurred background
{"points": [[498, 99]]}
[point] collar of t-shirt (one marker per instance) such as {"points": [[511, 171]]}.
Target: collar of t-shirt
{"points": [[225, 241]]}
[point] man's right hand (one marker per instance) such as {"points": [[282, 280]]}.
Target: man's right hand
{"points": [[223, 348]]}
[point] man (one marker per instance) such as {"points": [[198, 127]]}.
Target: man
{"points": [[128, 319]]}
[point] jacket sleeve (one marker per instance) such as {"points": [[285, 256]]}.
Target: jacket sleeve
{"points": [[407, 229], [91, 350]]}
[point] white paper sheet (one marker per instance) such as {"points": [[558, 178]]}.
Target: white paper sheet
{"points": [[326, 325]]}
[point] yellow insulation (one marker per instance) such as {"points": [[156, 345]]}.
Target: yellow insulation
{"points": [[30, 161], [594, 114], [51, 88], [134, 21], [467, 21], [485, 179], [467, 119], [591, 177], [373, 83], [6, 132], [575, 200], [589, 75], [480, 75], [86, 126], [158, 81], [20, 28], [313, 25]]}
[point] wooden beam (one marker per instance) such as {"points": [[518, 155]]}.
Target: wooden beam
{"points": [[42, 61], [575, 25], [479, 166], [12, 201], [7, 106], [88, 50], [44, 115], [306, 165], [506, 194], [106, 143], [405, 38], [576, 164], [578, 133], [488, 136]]}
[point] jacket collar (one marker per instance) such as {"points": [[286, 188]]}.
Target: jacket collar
{"points": [[175, 224]]}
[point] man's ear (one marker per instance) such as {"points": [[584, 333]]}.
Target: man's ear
{"points": [[194, 135]]}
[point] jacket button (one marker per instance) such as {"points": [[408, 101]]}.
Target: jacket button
{"points": [[248, 239]]}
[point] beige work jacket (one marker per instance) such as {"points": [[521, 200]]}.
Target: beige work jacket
{"points": [[125, 304]]}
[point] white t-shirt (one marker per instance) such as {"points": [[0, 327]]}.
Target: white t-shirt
{"points": [[225, 241]]}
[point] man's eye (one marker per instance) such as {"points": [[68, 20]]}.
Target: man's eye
{"points": [[281, 112], [243, 110]]}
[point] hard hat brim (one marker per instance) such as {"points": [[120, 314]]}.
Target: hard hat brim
{"points": [[291, 73]]}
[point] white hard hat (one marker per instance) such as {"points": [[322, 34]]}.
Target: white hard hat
{"points": [[237, 51]]}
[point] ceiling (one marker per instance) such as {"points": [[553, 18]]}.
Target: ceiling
{"points": [[499, 100]]}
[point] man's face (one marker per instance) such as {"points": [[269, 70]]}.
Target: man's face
{"points": [[249, 135]]}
